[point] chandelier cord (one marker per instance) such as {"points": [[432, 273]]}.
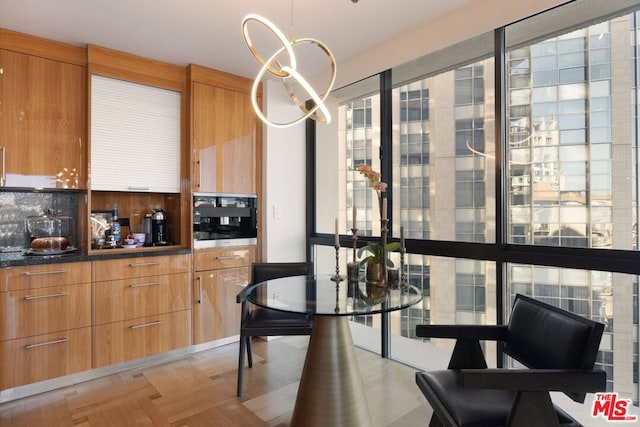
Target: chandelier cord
{"points": [[291, 36]]}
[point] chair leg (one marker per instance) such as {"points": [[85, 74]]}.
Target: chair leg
{"points": [[240, 366], [532, 405], [467, 354], [435, 421], [249, 356]]}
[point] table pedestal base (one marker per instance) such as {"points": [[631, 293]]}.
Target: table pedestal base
{"points": [[331, 391]]}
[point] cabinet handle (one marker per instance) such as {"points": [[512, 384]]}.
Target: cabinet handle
{"points": [[3, 175], [60, 341], [32, 297], [42, 273], [138, 188], [199, 290], [142, 285], [224, 258], [144, 325], [144, 264], [196, 169], [199, 173]]}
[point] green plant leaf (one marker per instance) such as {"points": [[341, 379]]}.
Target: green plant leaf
{"points": [[364, 249], [376, 253], [393, 247]]}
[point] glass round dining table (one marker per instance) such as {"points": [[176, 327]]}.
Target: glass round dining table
{"points": [[330, 391]]}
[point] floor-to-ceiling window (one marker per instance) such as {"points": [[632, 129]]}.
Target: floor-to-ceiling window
{"points": [[571, 171], [442, 167], [351, 140], [537, 196]]}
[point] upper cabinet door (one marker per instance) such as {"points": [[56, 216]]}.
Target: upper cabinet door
{"points": [[42, 122], [135, 137], [224, 140]]}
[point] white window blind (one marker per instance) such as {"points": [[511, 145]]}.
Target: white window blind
{"points": [[135, 137]]}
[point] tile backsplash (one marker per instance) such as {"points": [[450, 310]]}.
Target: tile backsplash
{"points": [[16, 206]]}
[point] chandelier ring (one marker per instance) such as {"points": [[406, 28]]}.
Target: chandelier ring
{"points": [[291, 72], [286, 45]]}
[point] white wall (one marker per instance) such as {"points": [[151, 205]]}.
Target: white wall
{"points": [[284, 149], [284, 157]]}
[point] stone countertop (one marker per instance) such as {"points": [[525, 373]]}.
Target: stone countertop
{"points": [[17, 259]]}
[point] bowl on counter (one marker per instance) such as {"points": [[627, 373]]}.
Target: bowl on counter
{"points": [[139, 238]]}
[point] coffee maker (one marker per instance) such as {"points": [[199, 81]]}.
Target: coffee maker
{"points": [[159, 228]]}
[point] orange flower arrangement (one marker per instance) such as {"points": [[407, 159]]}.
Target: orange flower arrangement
{"points": [[374, 178], [378, 186], [378, 251]]}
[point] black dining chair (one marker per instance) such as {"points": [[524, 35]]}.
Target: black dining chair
{"points": [[263, 322]]}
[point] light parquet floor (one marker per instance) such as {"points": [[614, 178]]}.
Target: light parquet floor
{"points": [[199, 390]]}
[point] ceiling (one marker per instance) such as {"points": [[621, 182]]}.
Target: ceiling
{"points": [[208, 32]]}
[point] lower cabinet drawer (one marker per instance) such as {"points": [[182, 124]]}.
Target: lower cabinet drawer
{"points": [[133, 298], [31, 312], [38, 358], [215, 258], [121, 341], [140, 267], [45, 275]]}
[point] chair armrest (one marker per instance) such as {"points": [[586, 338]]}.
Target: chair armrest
{"points": [[464, 332], [566, 380], [244, 293]]}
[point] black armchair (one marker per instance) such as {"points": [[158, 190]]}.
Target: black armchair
{"points": [[559, 349], [264, 322]]}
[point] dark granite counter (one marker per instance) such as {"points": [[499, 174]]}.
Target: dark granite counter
{"points": [[16, 259]]}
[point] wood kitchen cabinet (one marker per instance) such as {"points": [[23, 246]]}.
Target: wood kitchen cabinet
{"points": [[131, 339], [220, 274], [139, 297], [226, 133], [139, 150], [42, 121], [138, 267], [45, 322], [142, 306]]}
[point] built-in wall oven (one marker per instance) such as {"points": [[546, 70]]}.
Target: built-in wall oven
{"points": [[224, 220]]}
